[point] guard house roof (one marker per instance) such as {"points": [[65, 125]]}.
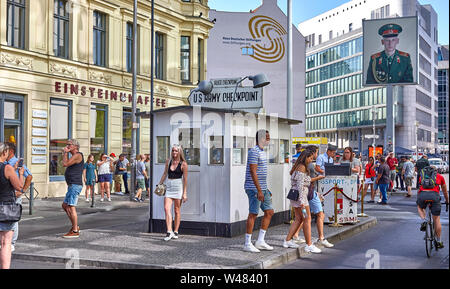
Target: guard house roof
{"points": [[146, 114]]}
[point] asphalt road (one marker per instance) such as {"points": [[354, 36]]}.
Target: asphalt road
{"points": [[394, 243]]}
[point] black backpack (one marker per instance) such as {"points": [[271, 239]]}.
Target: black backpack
{"points": [[428, 177]]}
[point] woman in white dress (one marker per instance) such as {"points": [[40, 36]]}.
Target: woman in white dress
{"points": [[176, 171]]}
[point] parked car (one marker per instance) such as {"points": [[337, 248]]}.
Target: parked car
{"points": [[441, 166]]}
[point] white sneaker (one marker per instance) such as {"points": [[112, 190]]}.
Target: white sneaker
{"points": [[13, 248], [88, 200], [109, 199], [262, 245], [101, 200], [175, 235], [169, 236], [325, 243], [251, 248], [298, 240], [290, 244], [312, 249]]}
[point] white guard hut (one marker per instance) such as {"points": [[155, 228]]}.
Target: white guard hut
{"points": [[215, 143]]}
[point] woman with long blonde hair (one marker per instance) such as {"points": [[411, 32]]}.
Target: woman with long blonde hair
{"points": [[300, 181], [176, 171]]}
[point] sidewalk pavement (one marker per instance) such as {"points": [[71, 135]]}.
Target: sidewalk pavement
{"points": [[128, 246]]}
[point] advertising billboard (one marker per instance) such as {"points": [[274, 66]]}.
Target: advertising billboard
{"points": [[390, 54]]}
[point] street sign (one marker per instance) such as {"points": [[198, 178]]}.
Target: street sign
{"points": [[372, 136], [226, 98], [225, 82]]}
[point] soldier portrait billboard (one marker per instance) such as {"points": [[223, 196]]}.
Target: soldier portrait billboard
{"points": [[390, 51]]}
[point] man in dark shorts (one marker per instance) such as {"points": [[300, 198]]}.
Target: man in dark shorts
{"points": [[424, 195]]}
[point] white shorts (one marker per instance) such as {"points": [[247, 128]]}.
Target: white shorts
{"points": [[368, 181]]}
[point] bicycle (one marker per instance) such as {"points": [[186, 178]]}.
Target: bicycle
{"points": [[430, 237]]}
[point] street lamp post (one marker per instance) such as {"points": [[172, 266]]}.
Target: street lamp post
{"points": [[374, 115], [259, 80], [133, 116]]}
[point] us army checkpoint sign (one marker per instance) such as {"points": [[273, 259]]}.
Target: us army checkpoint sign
{"points": [[390, 51], [226, 98]]}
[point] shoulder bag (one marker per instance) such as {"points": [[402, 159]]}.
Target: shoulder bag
{"points": [[10, 211]]}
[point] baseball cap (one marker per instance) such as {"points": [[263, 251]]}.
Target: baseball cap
{"points": [[112, 155]]}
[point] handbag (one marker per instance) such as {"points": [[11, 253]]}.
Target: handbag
{"points": [[293, 195], [10, 212], [160, 189]]}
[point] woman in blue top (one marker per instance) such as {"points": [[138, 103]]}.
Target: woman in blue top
{"points": [[89, 176]]}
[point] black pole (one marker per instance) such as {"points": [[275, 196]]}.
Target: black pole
{"points": [[30, 209], [151, 175]]}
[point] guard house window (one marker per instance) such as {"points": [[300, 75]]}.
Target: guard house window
{"points": [[127, 128], [330, 36], [159, 55], [60, 122], [99, 39], [216, 150], [163, 152], [185, 59], [350, 27], [60, 29], [15, 33], [200, 60], [238, 150], [189, 139], [98, 129]]}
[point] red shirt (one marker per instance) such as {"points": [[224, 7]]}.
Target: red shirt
{"points": [[370, 172], [391, 163], [439, 181]]}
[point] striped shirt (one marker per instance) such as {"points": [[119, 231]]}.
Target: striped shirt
{"points": [[256, 156]]}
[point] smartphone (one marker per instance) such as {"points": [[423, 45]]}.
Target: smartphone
{"points": [[20, 163]]}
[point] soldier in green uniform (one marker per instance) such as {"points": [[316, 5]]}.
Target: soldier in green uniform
{"points": [[390, 65]]}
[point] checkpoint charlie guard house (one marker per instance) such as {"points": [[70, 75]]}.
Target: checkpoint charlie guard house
{"points": [[215, 143]]}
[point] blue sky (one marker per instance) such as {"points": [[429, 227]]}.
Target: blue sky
{"points": [[314, 8]]}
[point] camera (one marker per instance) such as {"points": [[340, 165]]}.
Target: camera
{"points": [[20, 163]]}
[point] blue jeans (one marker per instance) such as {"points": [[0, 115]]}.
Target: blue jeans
{"points": [[383, 189], [125, 183], [16, 225]]}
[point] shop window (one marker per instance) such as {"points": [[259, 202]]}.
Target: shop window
{"points": [[15, 32], [238, 150], [60, 121], [98, 130], [216, 150], [163, 151], [189, 139], [11, 120], [127, 129], [284, 151], [159, 55], [60, 29]]}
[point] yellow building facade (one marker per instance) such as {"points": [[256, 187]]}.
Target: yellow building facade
{"points": [[65, 72]]}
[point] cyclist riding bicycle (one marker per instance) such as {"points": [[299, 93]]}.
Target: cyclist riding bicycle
{"points": [[430, 181]]}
